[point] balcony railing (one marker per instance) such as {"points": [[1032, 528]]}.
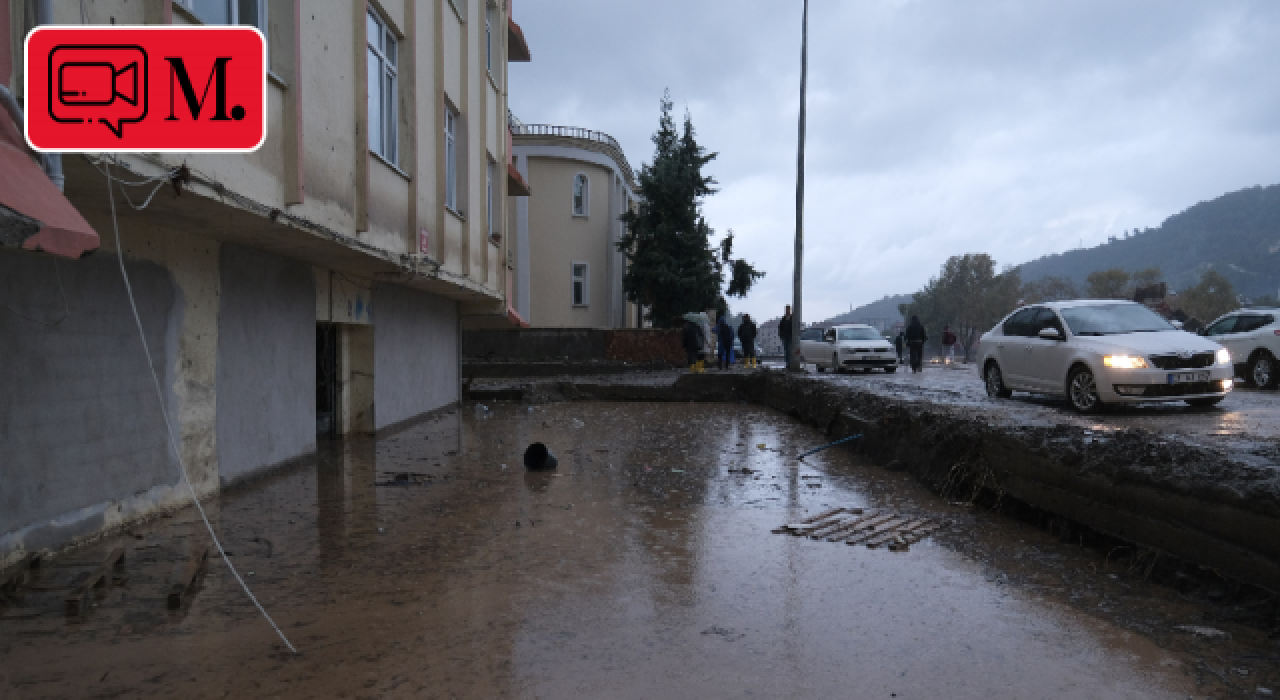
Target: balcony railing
{"points": [[519, 128]]}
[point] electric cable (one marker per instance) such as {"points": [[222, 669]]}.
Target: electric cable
{"points": [[155, 378]]}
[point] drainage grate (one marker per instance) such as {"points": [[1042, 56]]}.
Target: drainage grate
{"points": [[875, 529]]}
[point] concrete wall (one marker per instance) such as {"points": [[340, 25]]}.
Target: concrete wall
{"points": [[573, 345], [80, 426], [266, 361], [415, 351]]}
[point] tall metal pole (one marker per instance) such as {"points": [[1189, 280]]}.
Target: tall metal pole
{"points": [[797, 292]]}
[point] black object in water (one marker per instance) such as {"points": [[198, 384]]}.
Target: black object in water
{"points": [[538, 457]]}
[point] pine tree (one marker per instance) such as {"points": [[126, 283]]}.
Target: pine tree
{"points": [[673, 268]]}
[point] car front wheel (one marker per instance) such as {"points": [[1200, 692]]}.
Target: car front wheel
{"points": [[1082, 391], [995, 383], [1262, 370]]}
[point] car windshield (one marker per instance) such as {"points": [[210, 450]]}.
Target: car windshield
{"points": [[1110, 319], [857, 334]]}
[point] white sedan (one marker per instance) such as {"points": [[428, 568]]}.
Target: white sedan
{"points": [[848, 346], [1097, 352]]}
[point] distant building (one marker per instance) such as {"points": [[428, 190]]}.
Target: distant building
{"points": [[566, 265], [767, 337]]}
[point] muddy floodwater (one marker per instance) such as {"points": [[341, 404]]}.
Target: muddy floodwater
{"points": [[431, 564]]}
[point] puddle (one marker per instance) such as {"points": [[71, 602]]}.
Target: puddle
{"points": [[431, 564]]}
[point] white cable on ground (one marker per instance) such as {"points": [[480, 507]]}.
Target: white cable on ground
{"points": [[155, 378]]}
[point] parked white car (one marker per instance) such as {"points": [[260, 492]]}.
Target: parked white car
{"points": [[848, 346], [1097, 352], [1253, 337]]}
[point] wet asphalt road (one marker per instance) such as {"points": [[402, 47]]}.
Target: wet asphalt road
{"points": [[641, 568], [1247, 422]]}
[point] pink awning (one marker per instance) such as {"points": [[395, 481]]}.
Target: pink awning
{"points": [[26, 189]]}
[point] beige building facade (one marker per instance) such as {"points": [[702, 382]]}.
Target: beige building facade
{"points": [[567, 268], [314, 288]]}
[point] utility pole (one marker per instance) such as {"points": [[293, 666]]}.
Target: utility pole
{"points": [[797, 292]]}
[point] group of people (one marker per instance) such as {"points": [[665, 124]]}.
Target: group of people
{"points": [[696, 337]]}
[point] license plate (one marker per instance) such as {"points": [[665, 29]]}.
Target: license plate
{"points": [[1188, 377]]}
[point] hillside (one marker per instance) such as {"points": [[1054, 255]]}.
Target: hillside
{"points": [[886, 308], [1237, 233]]}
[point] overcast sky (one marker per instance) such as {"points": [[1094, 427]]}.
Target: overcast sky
{"points": [[936, 127]]}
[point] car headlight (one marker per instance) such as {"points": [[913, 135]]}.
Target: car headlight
{"points": [[1224, 356], [1124, 362]]}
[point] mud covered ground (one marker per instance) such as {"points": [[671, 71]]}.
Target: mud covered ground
{"points": [[643, 567]]}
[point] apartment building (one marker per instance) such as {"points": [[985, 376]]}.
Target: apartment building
{"points": [[313, 288], [567, 267]]}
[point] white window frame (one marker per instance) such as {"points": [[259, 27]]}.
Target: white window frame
{"points": [[383, 59], [451, 159], [233, 12], [585, 278], [488, 39], [488, 190], [586, 195]]}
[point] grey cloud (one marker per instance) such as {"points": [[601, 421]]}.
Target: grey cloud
{"points": [[936, 127]]}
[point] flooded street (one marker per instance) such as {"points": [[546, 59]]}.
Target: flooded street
{"points": [[431, 564]]}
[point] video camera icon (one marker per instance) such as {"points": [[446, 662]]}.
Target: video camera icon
{"points": [[98, 83]]}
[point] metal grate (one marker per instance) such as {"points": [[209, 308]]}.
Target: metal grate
{"points": [[853, 526], [1197, 361]]}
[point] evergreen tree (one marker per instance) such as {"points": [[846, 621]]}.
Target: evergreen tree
{"points": [[672, 267]]}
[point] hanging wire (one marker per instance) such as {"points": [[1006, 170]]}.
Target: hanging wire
{"points": [[173, 445]]}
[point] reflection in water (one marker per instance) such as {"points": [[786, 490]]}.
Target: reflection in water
{"points": [[642, 567]]}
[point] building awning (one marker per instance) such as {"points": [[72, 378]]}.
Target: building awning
{"points": [[517, 47], [34, 214], [516, 186]]}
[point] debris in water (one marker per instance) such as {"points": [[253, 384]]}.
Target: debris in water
{"points": [[537, 457], [1202, 631]]}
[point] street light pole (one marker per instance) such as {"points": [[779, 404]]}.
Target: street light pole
{"points": [[797, 291]]}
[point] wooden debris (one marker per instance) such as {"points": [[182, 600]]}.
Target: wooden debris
{"points": [[875, 530], [75, 601], [184, 574], [19, 575]]}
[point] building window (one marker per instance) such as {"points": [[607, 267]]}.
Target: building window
{"points": [[579, 195], [450, 159], [488, 40], [488, 191], [250, 12], [383, 115], [580, 282]]}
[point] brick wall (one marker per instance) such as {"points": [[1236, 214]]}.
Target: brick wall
{"points": [[642, 346], [633, 346]]}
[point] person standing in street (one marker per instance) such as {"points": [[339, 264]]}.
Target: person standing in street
{"points": [[747, 334], [949, 342], [724, 342], [916, 338], [899, 344], [691, 341], [784, 333]]}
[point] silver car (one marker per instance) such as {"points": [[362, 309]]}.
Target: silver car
{"points": [[1096, 352], [1253, 337], [848, 346]]}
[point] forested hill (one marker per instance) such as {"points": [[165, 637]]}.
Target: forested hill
{"points": [[886, 308], [1238, 234]]}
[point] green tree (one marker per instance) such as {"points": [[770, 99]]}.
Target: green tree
{"points": [[1209, 299], [1147, 277], [1049, 289], [1108, 284], [969, 295], [672, 267]]}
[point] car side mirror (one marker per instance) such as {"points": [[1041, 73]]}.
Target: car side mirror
{"points": [[1176, 324], [1050, 334]]}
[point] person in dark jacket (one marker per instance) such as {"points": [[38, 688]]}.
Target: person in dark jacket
{"points": [[724, 342], [691, 340], [900, 344], [916, 338], [747, 334], [784, 333]]}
